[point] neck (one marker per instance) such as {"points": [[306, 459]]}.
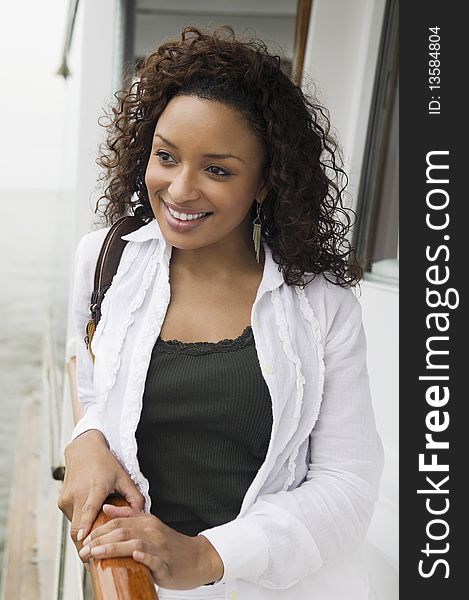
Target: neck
{"points": [[219, 260]]}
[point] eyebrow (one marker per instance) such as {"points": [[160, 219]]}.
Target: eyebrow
{"points": [[209, 155]]}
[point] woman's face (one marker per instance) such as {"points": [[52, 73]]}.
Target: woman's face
{"points": [[204, 173]]}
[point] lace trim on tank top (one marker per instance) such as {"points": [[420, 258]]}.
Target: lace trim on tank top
{"points": [[225, 345]]}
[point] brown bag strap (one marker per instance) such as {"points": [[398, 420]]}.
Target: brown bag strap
{"points": [[106, 267]]}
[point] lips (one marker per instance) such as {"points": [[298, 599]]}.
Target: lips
{"points": [[185, 216], [188, 211], [180, 225]]}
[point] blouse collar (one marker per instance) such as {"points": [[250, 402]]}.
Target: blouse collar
{"points": [[272, 276]]}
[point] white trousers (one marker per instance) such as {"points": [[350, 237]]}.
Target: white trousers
{"points": [[205, 592]]}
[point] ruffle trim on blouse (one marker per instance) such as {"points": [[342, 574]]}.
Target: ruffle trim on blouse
{"points": [[198, 348], [127, 260], [130, 318], [137, 377], [308, 313], [284, 333]]}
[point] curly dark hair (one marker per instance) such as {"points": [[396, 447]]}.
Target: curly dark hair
{"points": [[305, 222]]}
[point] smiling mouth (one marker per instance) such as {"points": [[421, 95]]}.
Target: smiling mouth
{"points": [[183, 216], [184, 222]]}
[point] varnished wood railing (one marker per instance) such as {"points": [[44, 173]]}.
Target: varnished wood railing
{"points": [[120, 578]]}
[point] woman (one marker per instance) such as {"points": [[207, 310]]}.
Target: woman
{"points": [[229, 399]]}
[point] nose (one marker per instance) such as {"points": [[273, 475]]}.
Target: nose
{"points": [[183, 187]]}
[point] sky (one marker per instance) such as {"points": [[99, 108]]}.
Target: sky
{"points": [[32, 97]]}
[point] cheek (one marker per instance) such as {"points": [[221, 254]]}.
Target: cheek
{"points": [[238, 210]]}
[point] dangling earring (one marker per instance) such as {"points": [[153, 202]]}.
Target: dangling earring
{"points": [[256, 231]]}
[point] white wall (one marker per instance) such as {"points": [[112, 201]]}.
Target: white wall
{"points": [[380, 304], [341, 55], [93, 63], [89, 90]]}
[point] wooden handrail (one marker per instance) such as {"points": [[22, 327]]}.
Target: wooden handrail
{"points": [[119, 578]]}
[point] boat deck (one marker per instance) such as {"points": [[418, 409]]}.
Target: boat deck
{"points": [[20, 573]]}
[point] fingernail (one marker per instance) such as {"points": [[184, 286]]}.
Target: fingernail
{"points": [[87, 540], [97, 550], [80, 535], [84, 551]]}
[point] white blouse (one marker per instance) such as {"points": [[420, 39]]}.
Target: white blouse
{"points": [[299, 529]]}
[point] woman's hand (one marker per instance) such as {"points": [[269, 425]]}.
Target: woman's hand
{"points": [[176, 561], [91, 474]]}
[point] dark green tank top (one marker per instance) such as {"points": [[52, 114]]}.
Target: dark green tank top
{"points": [[204, 429]]}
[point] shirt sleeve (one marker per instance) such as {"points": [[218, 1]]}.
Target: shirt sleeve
{"points": [[83, 280], [286, 536]]}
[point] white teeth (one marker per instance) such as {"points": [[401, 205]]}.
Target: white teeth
{"points": [[185, 216]]}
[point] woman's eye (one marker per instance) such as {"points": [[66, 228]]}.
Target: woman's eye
{"points": [[161, 156], [221, 172]]}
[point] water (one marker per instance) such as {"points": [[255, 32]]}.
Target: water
{"points": [[35, 254]]}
